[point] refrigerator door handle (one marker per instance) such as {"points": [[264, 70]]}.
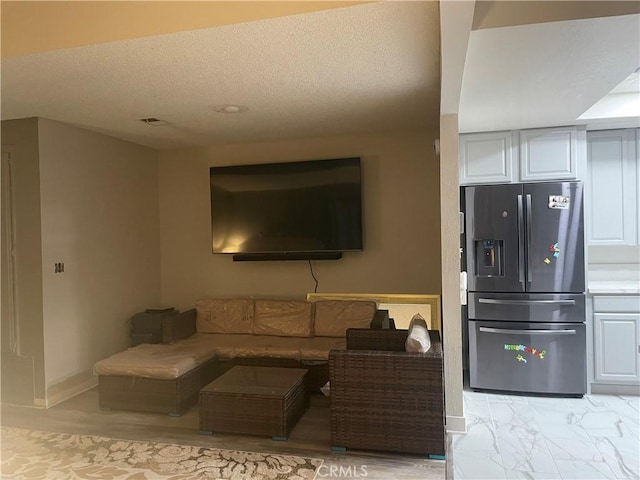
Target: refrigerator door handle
{"points": [[529, 215], [527, 332], [520, 241], [497, 301]]}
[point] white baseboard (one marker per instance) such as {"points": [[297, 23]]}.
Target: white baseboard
{"points": [[38, 403], [69, 392], [606, 389], [456, 424]]}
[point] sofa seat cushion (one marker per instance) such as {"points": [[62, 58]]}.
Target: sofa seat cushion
{"points": [[224, 315], [333, 317], [262, 346], [235, 346], [159, 361], [318, 348], [285, 318]]}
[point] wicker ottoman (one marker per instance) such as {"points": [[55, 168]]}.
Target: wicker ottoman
{"points": [[254, 400]]}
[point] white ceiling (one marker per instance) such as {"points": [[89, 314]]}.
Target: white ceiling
{"points": [[546, 74], [366, 68]]}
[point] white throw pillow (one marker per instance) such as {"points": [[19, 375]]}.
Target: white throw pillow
{"points": [[418, 340]]}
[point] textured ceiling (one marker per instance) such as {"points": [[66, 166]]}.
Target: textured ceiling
{"points": [[359, 68], [40, 26], [365, 68], [546, 74]]}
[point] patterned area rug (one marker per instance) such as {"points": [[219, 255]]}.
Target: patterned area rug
{"points": [[43, 455]]}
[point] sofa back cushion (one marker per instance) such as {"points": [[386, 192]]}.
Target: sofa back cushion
{"points": [[284, 318], [224, 315], [333, 317]]}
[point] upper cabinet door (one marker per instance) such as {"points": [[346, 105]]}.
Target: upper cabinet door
{"points": [[487, 158], [549, 154], [612, 203]]}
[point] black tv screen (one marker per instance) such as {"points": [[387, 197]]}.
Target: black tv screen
{"points": [[294, 207]]}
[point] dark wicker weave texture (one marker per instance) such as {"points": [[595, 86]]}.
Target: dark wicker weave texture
{"points": [[387, 400], [173, 397], [179, 326], [366, 339], [253, 414]]}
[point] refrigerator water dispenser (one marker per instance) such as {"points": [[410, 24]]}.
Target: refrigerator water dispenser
{"points": [[489, 258]]}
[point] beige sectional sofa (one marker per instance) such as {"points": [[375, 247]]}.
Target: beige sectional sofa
{"points": [[202, 343]]}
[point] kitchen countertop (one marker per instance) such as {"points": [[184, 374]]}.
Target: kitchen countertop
{"points": [[613, 287]]}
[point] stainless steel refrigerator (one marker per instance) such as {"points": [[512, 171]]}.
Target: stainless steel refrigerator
{"points": [[526, 280]]}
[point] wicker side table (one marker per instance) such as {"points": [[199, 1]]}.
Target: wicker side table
{"points": [[255, 401]]}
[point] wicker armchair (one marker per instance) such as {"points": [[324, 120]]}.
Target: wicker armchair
{"points": [[383, 398]]}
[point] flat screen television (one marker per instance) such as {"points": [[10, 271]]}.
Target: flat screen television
{"points": [[293, 210]]}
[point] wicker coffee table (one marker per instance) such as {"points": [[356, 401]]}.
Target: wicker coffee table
{"points": [[254, 400]]}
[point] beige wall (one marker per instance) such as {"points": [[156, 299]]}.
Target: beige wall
{"points": [[23, 374], [401, 221], [100, 217]]}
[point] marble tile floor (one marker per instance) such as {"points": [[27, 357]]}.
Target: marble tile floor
{"points": [[527, 437]]}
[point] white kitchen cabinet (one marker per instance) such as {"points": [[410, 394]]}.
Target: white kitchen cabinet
{"points": [[616, 322], [612, 212], [542, 154], [549, 154], [488, 157]]}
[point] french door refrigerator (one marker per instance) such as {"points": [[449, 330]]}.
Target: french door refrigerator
{"points": [[526, 281]]}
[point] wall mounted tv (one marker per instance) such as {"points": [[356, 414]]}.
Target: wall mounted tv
{"points": [[287, 211]]}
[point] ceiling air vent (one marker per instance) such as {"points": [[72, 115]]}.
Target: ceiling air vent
{"points": [[153, 121]]}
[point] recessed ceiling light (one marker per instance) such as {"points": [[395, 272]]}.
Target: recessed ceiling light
{"points": [[230, 108]]}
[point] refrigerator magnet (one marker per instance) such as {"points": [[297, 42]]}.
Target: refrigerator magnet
{"points": [[559, 202]]}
